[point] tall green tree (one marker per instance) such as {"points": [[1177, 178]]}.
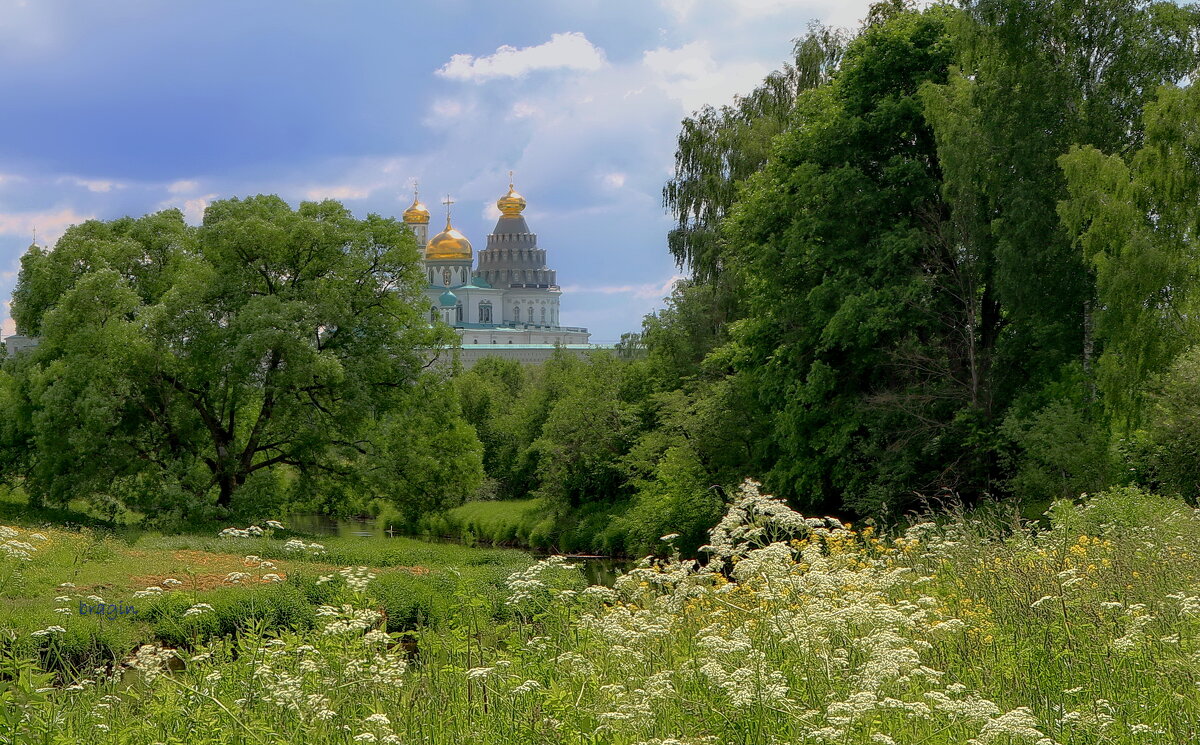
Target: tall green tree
{"points": [[834, 240], [719, 148], [184, 365], [1135, 223], [1034, 78]]}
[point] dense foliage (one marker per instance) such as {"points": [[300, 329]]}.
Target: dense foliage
{"points": [[949, 258], [268, 354]]}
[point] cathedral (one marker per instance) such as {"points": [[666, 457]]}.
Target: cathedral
{"points": [[510, 297]]}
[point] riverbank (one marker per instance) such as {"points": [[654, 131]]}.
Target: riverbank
{"points": [[530, 524]]}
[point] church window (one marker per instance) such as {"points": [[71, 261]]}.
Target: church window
{"points": [[432, 313], [517, 313], [458, 312], [485, 312], [543, 316], [530, 316]]}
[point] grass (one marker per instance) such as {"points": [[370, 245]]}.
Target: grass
{"points": [[532, 524], [116, 565], [972, 629]]}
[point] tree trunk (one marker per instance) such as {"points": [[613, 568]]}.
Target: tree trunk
{"points": [[227, 484]]}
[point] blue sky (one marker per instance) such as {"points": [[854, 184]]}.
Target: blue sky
{"points": [[131, 106]]}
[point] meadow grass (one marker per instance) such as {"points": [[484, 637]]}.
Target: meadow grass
{"points": [[262, 579], [532, 524], [970, 629]]}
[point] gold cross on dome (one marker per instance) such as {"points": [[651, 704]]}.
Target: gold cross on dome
{"points": [[510, 180], [447, 201]]}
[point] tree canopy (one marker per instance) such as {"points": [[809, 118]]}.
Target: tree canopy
{"points": [[189, 365]]}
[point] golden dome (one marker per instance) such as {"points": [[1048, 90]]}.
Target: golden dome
{"points": [[416, 214], [512, 203], [448, 245]]}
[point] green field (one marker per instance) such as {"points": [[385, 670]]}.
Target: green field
{"points": [[414, 583], [974, 629]]}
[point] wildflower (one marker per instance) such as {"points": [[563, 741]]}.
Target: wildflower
{"points": [[1018, 723], [197, 609], [378, 719], [172, 582], [49, 630], [275, 524], [295, 544], [151, 660], [272, 578]]}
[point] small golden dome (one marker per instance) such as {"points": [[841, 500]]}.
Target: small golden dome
{"points": [[512, 203], [416, 214], [448, 245]]}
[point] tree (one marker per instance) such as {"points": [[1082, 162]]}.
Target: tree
{"points": [[719, 148], [183, 364], [1135, 223], [834, 245]]}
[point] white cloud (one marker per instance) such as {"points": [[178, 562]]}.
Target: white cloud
{"points": [[96, 185], [8, 326], [648, 291], [567, 51], [691, 75], [182, 187], [49, 224], [834, 12], [523, 110], [193, 209], [613, 180], [341, 192]]}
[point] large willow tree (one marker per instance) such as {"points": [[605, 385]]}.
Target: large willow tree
{"points": [[186, 366]]}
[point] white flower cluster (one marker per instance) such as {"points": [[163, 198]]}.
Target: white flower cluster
{"points": [[297, 545], [49, 630], [151, 660], [530, 583], [13, 548], [347, 619], [251, 532], [783, 588], [198, 609], [357, 578]]}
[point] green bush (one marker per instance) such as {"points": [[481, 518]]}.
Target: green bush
{"points": [[1174, 428]]}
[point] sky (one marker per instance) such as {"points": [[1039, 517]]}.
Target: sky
{"points": [[127, 107]]}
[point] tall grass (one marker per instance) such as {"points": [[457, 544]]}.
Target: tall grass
{"points": [[796, 630]]}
